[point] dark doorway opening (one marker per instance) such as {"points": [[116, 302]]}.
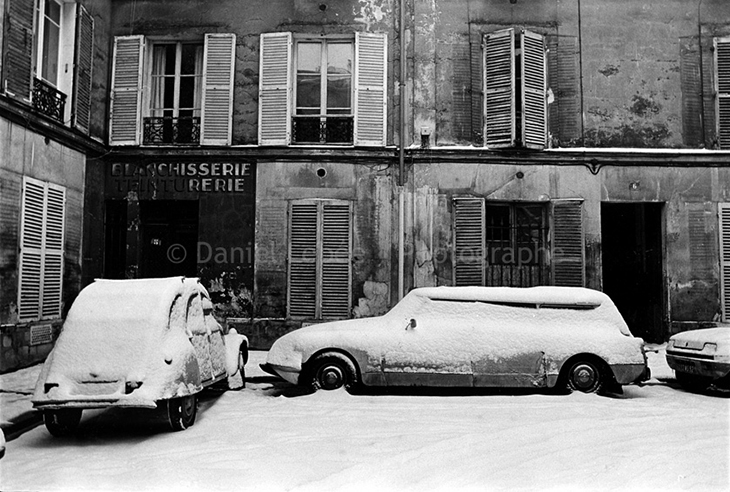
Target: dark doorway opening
{"points": [[168, 238], [633, 265], [115, 239]]}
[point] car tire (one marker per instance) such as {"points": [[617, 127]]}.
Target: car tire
{"points": [[331, 371], [585, 376], [692, 382], [181, 412], [62, 422]]}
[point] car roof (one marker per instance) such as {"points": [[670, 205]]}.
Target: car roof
{"points": [[544, 296]]}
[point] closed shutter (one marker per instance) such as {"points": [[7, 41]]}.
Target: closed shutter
{"points": [[218, 70], [469, 248], [371, 61], [724, 211], [335, 260], [690, 77], [126, 90], [302, 284], [722, 64], [275, 88], [568, 253], [17, 63], [82, 71], [564, 118], [41, 253], [499, 93], [534, 104]]}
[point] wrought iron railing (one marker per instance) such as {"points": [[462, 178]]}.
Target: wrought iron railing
{"points": [[322, 130], [183, 130], [48, 100]]}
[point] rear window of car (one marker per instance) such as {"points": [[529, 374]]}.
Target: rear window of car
{"points": [[577, 306]]}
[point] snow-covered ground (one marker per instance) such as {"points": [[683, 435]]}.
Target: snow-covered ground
{"points": [[272, 437]]}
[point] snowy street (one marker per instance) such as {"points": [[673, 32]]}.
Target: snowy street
{"points": [[271, 437]]}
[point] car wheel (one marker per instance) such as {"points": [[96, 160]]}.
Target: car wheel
{"points": [[181, 412], [62, 422], [692, 382], [585, 376], [331, 372]]}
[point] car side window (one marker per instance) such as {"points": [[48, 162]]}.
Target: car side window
{"points": [[195, 321], [210, 321]]}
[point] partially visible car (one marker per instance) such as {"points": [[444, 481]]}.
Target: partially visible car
{"points": [[143, 343], [538, 337], [2, 444], [701, 357]]}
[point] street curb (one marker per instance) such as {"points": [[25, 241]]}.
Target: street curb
{"points": [[21, 424]]}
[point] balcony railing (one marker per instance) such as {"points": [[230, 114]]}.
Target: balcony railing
{"points": [[48, 100], [183, 130], [322, 130]]}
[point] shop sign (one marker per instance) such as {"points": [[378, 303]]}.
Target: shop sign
{"points": [[181, 177]]}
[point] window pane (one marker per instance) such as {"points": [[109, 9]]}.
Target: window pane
{"points": [[339, 59], [309, 57], [53, 11], [308, 93], [187, 92], [191, 53], [339, 78], [49, 70]]}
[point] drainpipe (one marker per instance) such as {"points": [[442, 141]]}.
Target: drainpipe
{"points": [[401, 151]]}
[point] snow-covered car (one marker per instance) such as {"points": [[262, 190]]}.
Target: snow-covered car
{"points": [[701, 357], [144, 343], [2, 444], [538, 337]]}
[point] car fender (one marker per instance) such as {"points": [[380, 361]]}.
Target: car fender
{"points": [[236, 343]]}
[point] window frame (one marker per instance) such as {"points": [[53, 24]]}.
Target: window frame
{"points": [[147, 109]]}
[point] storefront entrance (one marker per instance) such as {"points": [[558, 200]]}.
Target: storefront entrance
{"points": [[632, 265]]}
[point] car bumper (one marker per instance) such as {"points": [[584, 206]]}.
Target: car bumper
{"points": [[289, 374], [698, 367], [89, 404], [631, 373]]}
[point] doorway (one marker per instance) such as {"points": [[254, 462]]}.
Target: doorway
{"points": [[633, 265], [168, 238]]}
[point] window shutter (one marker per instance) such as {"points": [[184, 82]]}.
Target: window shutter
{"points": [[218, 70], [83, 67], [302, 285], [41, 253], [469, 249], [534, 104], [371, 61], [499, 94], [691, 85], [275, 88], [568, 253], [126, 90], [724, 211], [564, 118], [336, 252], [722, 64], [17, 63]]}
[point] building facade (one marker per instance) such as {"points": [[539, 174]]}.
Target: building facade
{"points": [[315, 160]]}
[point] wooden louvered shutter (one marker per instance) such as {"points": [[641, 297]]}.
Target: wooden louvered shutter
{"points": [[17, 65], [371, 61], [126, 93], [722, 83], [469, 248], [499, 92], [533, 87], [275, 88], [564, 118], [336, 255], [568, 253], [83, 66], [302, 285], [218, 69], [724, 212], [41, 253]]}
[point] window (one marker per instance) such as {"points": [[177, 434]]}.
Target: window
{"points": [[722, 88], [41, 251], [515, 95], [323, 109], [323, 90], [506, 244], [320, 252], [724, 212], [183, 97], [48, 39]]}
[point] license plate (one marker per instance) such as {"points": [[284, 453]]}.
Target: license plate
{"points": [[689, 368], [95, 388]]}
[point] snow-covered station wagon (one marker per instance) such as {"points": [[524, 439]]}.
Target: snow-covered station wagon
{"points": [[539, 337], [145, 343]]}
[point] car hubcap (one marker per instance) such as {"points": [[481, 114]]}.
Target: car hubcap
{"points": [[331, 378], [584, 377], [188, 407]]}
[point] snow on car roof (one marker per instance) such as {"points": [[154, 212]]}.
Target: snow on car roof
{"points": [[577, 297]]}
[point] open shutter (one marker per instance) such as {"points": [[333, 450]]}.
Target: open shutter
{"points": [[17, 65], [371, 61], [534, 87], [499, 93], [469, 248], [722, 64], [41, 250], [126, 93], [564, 118], [724, 211], [218, 69], [84, 58], [275, 89], [336, 253], [302, 285], [568, 253]]}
